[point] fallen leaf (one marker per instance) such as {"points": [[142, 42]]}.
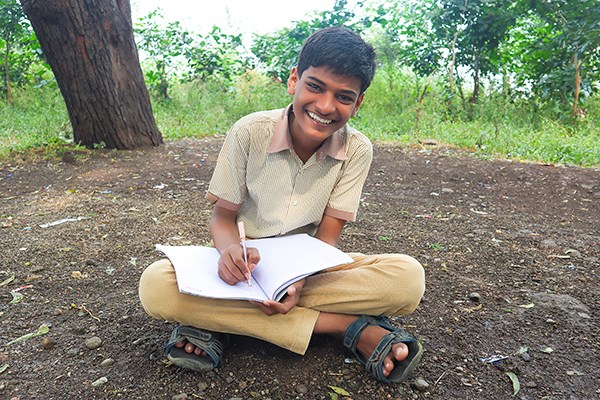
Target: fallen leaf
{"points": [[339, 390], [3, 368], [530, 305], [515, 382], [7, 280], [16, 297], [42, 330]]}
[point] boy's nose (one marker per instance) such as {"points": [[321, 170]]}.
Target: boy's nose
{"points": [[326, 104]]}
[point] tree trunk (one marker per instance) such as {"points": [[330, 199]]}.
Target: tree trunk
{"points": [[7, 71], [577, 84], [89, 45]]}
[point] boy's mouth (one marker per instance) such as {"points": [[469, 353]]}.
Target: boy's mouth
{"points": [[318, 119]]}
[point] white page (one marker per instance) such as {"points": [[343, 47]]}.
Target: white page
{"points": [[188, 262], [289, 258], [284, 260]]}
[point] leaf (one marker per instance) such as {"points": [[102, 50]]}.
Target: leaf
{"points": [[3, 368], [7, 280], [339, 390], [42, 330], [17, 297], [515, 382]]}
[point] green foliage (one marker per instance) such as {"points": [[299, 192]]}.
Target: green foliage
{"points": [[20, 61], [218, 56], [277, 53], [163, 43]]}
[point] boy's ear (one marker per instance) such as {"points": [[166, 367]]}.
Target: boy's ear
{"points": [[292, 81], [358, 103]]}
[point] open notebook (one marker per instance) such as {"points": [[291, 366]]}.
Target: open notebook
{"points": [[283, 261]]}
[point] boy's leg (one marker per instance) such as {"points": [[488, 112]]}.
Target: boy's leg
{"points": [[383, 284], [161, 299], [375, 285]]}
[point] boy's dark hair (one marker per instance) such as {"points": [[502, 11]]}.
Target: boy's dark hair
{"points": [[342, 50]]}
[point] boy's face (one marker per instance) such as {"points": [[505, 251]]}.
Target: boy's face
{"points": [[323, 103]]}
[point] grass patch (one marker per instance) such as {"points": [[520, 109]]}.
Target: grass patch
{"points": [[390, 113]]}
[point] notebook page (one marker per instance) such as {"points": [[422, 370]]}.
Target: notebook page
{"points": [[196, 271], [289, 258]]}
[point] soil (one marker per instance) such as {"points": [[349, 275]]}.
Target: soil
{"points": [[511, 252]]}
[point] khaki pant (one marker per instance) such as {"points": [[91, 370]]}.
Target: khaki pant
{"points": [[388, 284]]}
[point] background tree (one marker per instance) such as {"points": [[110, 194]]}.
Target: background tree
{"points": [[162, 44], [277, 53], [12, 28], [89, 45]]}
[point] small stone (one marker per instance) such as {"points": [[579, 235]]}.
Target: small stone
{"points": [[531, 385], [181, 396], [447, 190], [242, 385], [584, 315], [57, 312], [202, 386], [474, 297], [73, 351], [421, 384], [48, 343], [100, 382], [302, 389], [526, 357], [549, 244], [548, 350], [109, 362], [550, 321], [93, 343]]}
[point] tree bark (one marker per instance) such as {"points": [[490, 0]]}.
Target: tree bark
{"points": [[577, 84], [89, 45], [7, 70]]}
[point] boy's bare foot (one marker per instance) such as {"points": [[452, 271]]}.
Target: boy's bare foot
{"points": [[336, 324], [190, 348], [370, 338]]}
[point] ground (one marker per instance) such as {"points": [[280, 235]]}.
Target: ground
{"points": [[510, 249]]}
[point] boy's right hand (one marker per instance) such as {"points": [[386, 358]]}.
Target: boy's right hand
{"points": [[232, 267]]}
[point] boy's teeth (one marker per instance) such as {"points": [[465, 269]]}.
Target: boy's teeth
{"points": [[319, 119]]}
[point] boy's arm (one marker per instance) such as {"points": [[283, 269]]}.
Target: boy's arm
{"points": [[330, 229], [223, 229]]}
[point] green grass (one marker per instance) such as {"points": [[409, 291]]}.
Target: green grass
{"points": [[496, 128]]}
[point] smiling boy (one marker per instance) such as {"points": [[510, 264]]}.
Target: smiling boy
{"points": [[300, 169]]}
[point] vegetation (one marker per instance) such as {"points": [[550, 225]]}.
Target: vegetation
{"points": [[505, 78]]}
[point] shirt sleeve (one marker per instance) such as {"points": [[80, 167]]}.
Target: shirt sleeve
{"points": [[227, 186], [345, 197]]}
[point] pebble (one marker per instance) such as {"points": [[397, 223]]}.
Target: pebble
{"points": [[93, 343], [109, 362], [100, 382], [421, 384], [526, 357], [474, 297], [549, 244], [57, 312], [202, 386], [73, 351], [302, 389], [531, 385], [181, 396], [48, 343]]}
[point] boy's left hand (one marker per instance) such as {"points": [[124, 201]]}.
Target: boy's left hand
{"points": [[288, 302]]}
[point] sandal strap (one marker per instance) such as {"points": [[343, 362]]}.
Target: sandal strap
{"points": [[374, 364], [211, 343]]}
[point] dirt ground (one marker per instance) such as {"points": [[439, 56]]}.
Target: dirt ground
{"points": [[511, 252]]}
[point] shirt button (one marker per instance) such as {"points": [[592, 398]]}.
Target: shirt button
{"points": [[295, 203]]}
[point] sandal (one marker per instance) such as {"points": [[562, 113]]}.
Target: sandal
{"points": [[210, 342], [374, 364]]}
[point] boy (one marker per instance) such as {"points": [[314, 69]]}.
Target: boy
{"points": [[280, 172]]}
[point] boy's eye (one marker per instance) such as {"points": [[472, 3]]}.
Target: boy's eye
{"points": [[345, 99], [314, 86]]}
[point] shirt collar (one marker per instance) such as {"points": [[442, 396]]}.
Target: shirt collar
{"points": [[333, 146]]}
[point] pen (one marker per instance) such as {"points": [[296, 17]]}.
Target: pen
{"points": [[243, 240]]}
